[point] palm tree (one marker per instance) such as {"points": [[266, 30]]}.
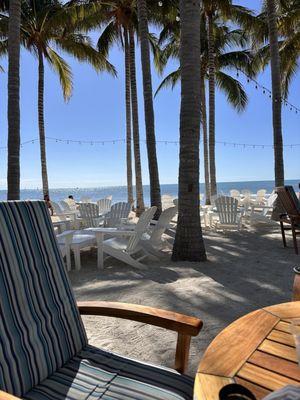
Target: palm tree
{"points": [[276, 92], [225, 61], [45, 25], [155, 194], [128, 117], [189, 243], [120, 19], [13, 112], [140, 207]]}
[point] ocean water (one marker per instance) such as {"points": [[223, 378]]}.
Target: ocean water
{"points": [[119, 193]]}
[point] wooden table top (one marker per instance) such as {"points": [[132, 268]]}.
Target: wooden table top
{"points": [[256, 351]]}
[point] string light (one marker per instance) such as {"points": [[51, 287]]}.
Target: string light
{"points": [[267, 91], [165, 142]]}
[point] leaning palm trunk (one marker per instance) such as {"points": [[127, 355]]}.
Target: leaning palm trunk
{"points": [[205, 141], [276, 91], [135, 125], [42, 125], [189, 243], [13, 110], [212, 84], [128, 118], [148, 106]]}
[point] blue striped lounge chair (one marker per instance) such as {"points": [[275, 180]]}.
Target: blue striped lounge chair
{"points": [[44, 352]]}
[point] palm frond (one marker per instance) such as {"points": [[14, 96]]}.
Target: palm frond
{"points": [[169, 81], [63, 70], [233, 89]]}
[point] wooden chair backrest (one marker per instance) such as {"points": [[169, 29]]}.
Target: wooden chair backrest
{"points": [[289, 200], [163, 223], [117, 212], [227, 208], [104, 205]]}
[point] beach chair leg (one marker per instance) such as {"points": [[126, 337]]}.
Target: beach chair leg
{"points": [[295, 238], [77, 258], [283, 234], [68, 258]]}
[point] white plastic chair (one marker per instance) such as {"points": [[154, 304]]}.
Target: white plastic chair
{"points": [[104, 205], [118, 213], [125, 248], [229, 216], [262, 214]]}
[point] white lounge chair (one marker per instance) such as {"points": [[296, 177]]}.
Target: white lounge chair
{"points": [[118, 213], [124, 248], [104, 205], [78, 242], [229, 215], [262, 214], [153, 241]]}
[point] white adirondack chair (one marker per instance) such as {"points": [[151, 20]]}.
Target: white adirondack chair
{"points": [[260, 197], [262, 214], [89, 214], [104, 205], [125, 248], [236, 195], [153, 242], [78, 242], [118, 213], [229, 215]]}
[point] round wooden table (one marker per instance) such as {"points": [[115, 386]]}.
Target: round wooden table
{"points": [[256, 351]]}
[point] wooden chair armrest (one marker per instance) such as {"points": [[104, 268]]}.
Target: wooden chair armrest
{"points": [[7, 396], [185, 326], [153, 316]]}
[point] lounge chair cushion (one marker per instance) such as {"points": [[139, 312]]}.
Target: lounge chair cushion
{"points": [[96, 374], [42, 328]]}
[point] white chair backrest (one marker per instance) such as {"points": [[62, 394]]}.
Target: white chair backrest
{"points": [[65, 206], [117, 212], [162, 224], [85, 200], [246, 193], [71, 203], [89, 212], [270, 203], [56, 208], [260, 196], [227, 208], [104, 205], [235, 194], [141, 228]]}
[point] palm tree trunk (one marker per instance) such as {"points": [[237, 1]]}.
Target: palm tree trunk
{"points": [[13, 110], [276, 91], [140, 207], [42, 125], [128, 118], [205, 141], [155, 194], [189, 243], [212, 138]]}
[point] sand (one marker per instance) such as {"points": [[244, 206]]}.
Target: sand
{"points": [[245, 270]]}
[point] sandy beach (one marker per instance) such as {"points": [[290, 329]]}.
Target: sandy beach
{"points": [[245, 270]]}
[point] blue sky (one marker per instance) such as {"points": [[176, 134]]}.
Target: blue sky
{"points": [[96, 112]]}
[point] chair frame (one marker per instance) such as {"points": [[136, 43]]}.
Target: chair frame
{"points": [[186, 327], [292, 218]]}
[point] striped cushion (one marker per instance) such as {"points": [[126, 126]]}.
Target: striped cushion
{"points": [[96, 374], [40, 328]]}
